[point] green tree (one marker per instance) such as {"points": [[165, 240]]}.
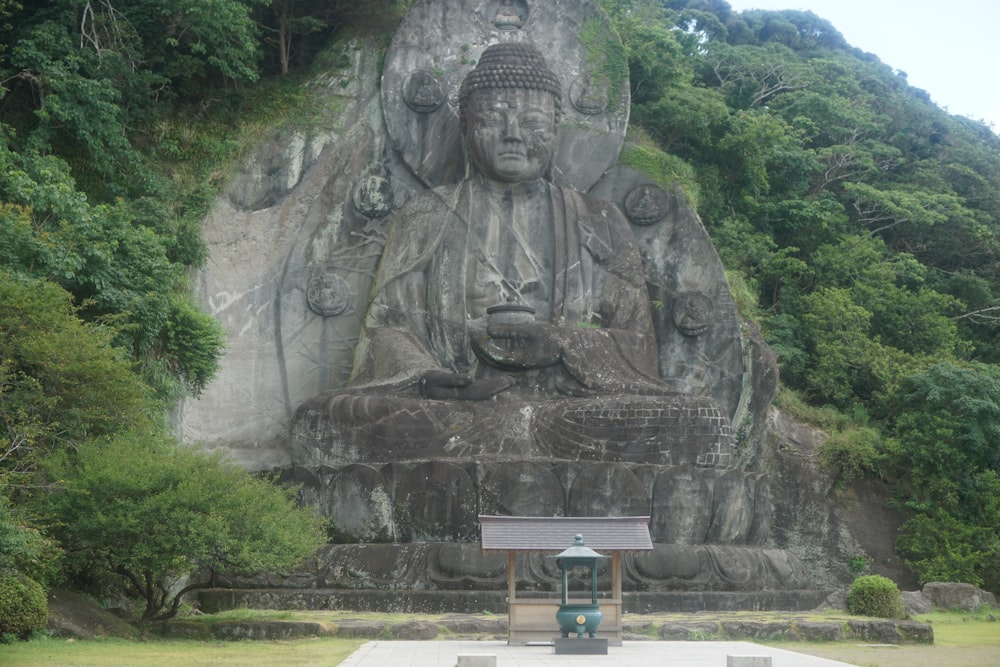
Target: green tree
{"points": [[751, 76], [945, 455], [979, 324], [286, 24], [61, 379], [24, 548], [846, 362], [118, 271], [947, 428], [907, 315], [153, 513], [88, 79]]}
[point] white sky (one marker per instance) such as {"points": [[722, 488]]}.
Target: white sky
{"points": [[949, 48]]}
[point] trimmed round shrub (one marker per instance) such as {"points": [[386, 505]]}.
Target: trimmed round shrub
{"points": [[875, 595], [24, 607]]}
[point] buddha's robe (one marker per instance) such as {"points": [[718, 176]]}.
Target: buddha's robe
{"points": [[457, 250]]}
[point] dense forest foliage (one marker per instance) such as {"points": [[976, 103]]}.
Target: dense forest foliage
{"points": [[117, 121], [860, 226], [859, 223]]}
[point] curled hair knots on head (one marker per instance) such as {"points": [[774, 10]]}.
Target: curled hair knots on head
{"points": [[510, 65]]}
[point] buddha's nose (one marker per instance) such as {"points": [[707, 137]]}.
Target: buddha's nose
{"points": [[512, 129]]}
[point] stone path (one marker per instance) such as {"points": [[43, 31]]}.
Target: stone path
{"points": [[631, 654]]}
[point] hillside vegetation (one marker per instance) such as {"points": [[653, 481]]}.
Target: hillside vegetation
{"points": [[860, 226], [859, 223]]}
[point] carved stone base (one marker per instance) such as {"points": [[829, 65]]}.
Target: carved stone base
{"points": [[438, 501], [465, 567], [678, 429]]}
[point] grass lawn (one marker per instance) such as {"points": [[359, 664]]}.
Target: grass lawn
{"points": [[156, 653], [960, 640]]}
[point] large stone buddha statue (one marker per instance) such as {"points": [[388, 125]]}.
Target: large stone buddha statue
{"points": [[438, 323], [509, 318]]}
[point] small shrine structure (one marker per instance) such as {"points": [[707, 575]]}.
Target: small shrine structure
{"points": [[532, 619]]}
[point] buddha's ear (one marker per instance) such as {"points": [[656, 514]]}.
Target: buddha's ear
{"points": [[466, 155], [466, 132]]}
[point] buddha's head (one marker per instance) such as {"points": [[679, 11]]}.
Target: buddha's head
{"points": [[510, 107]]}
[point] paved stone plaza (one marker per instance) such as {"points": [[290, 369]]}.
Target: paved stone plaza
{"points": [[631, 654]]}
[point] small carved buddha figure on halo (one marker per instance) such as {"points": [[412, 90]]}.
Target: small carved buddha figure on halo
{"points": [[509, 316]]}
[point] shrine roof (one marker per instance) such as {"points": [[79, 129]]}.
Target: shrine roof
{"points": [[530, 533]]}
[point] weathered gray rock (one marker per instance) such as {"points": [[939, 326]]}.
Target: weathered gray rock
{"points": [[73, 615], [519, 488], [763, 630], [816, 631], [470, 625], [915, 602], [414, 630], [266, 630], [277, 166], [637, 628], [185, 629], [461, 566], [715, 567], [837, 600], [875, 631], [295, 242], [686, 631], [279, 228], [435, 502], [356, 495], [891, 632], [702, 349], [914, 632], [947, 595], [822, 524], [466, 625], [362, 629], [357, 500], [510, 317]]}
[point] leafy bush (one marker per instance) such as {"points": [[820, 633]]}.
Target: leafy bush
{"points": [[852, 453], [24, 548], [858, 564], [792, 403], [875, 595], [939, 546], [154, 514], [23, 605]]}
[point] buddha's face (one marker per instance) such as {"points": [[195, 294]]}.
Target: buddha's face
{"points": [[511, 133]]}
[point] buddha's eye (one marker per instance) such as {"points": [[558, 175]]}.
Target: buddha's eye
{"points": [[534, 121], [489, 118]]}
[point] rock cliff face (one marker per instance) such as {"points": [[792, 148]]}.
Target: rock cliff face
{"points": [[287, 216], [294, 244], [822, 524]]}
